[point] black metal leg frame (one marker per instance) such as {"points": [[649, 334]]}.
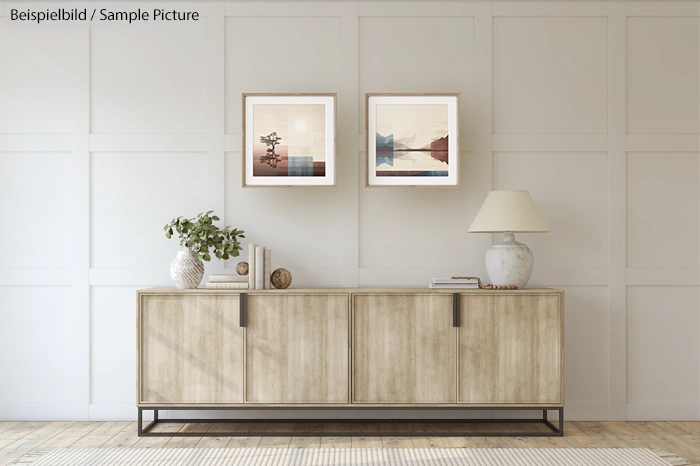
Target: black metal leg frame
{"points": [[556, 431]]}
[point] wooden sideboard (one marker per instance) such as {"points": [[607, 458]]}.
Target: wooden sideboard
{"points": [[350, 348]]}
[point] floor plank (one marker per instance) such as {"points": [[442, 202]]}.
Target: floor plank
{"points": [[397, 442], [71, 435], [330, 441], [336, 442], [124, 439], [277, 442], [101, 435], [305, 441], [366, 442], [243, 442], [428, 442]]}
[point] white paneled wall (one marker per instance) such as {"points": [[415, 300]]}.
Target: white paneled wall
{"points": [[106, 133]]}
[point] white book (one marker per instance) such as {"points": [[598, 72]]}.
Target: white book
{"points": [[268, 268], [226, 278], [251, 266], [455, 280], [453, 286], [227, 286], [259, 268]]}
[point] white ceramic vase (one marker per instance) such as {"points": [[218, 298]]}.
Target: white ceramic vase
{"points": [[187, 270], [509, 262]]}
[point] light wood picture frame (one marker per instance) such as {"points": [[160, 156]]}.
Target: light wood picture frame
{"points": [[412, 140], [289, 140]]}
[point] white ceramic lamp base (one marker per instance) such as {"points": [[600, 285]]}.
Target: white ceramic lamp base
{"points": [[509, 262]]}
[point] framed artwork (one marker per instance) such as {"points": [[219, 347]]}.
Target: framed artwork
{"points": [[289, 140], [412, 139]]}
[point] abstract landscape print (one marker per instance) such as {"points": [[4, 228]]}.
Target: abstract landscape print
{"points": [[289, 140], [414, 140]]}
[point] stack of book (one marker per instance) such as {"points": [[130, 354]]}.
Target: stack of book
{"points": [[228, 282], [259, 267], [454, 283]]}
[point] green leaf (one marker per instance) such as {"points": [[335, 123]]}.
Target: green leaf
{"points": [[206, 257], [215, 218]]}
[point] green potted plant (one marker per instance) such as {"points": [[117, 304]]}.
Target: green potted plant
{"points": [[201, 238]]}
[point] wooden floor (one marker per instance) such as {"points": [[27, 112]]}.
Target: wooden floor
{"points": [[19, 438]]}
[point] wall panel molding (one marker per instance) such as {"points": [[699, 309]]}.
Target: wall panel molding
{"points": [[148, 142], [658, 276], [663, 143], [550, 142], [483, 125], [436, 8], [617, 211], [44, 411], [663, 8], [349, 170], [548, 8], [216, 114], [80, 96], [662, 411]]}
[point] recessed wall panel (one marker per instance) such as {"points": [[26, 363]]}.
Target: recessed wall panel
{"points": [[35, 80], [133, 195], [663, 338], [663, 209], [39, 344], [571, 191], [419, 55], [148, 80], [663, 71], [36, 201], [550, 75], [278, 55]]}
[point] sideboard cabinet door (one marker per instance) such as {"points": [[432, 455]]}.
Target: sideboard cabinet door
{"points": [[403, 349], [510, 349], [297, 348], [191, 349]]}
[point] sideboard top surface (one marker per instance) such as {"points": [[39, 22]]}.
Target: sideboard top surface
{"points": [[366, 290]]}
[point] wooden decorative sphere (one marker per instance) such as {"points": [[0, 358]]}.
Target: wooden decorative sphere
{"points": [[242, 268], [281, 279]]}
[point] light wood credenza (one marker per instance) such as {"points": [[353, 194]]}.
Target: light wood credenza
{"points": [[350, 348]]}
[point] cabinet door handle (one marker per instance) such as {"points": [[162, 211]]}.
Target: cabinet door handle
{"points": [[455, 309], [243, 309]]}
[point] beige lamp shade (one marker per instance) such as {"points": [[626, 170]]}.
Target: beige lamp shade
{"points": [[513, 211]]}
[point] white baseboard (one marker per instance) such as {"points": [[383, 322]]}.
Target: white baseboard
{"points": [[585, 411], [116, 412], [663, 411], [44, 412]]}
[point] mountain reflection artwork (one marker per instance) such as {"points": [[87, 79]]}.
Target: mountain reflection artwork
{"points": [[412, 140]]}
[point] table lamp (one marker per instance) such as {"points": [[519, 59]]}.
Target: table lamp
{"points": [[509, 212]]}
